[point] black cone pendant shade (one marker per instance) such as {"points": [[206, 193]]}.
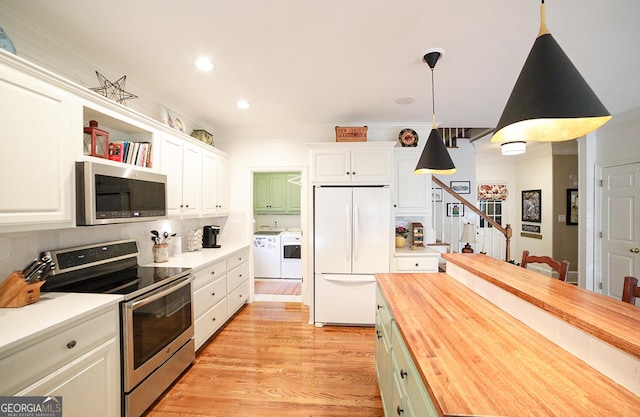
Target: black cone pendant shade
{"points": [[550, 102], [435, 158]]}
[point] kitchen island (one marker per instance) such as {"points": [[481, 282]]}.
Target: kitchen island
{"points": [[473, 358]]}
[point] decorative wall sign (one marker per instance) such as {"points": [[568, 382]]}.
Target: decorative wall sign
{"points": [[531, 228], [461, 187], [113, 90], [572, 206], [531, 206], [455, 209], [436, 194], [531, 235]]}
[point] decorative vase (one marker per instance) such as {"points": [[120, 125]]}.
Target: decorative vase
{"points": [[400, 241]]}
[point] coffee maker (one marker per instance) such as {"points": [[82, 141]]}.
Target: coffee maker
{"points": [[210, 236]]}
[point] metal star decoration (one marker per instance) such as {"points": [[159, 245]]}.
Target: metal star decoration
{"points": [[113, 90]]}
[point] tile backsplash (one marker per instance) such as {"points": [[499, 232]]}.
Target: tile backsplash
{"points": [[18, 249]]}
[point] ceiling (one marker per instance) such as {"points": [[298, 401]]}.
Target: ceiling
{"points": [[339, 61]]}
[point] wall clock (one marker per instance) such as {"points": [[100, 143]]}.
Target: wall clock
{"points": [[408, 138]]}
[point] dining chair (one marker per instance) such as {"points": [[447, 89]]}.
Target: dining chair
{"points": [[630, 290], [562, 268]]}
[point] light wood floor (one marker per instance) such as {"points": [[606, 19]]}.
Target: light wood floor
{"points": [[269, 362], [278, 286]]}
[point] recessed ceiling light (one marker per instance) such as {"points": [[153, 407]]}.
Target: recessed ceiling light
{"points": [[204, 64], [405, 100], [242, 104]]}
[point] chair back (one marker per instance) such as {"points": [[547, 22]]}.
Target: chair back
{"points": [[630, 290], [562, 268]]}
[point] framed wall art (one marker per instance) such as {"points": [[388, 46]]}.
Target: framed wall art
{"points": [[461, 187], [436, 194], [531, 206], [572, 206], [455, 209]]}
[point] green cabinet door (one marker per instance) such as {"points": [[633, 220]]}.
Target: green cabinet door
{"points": [[270, 192], [292, 189]]}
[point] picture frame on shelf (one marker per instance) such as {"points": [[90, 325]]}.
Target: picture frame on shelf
{"points": [[172, 119], [455, 209], [573, 207], [532, 206], [461, 187]]}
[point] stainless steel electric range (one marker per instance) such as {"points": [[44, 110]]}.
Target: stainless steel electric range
{"points": [[156, 316]]}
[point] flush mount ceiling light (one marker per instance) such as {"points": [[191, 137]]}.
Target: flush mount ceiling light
{"points": [[513, 148], [204, 64], [242, 104], [550, 102], [435, 158]]}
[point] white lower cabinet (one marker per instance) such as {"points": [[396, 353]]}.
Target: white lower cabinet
{"points": [[80, 362], [220, 290], [401, 388], [417, 263]]}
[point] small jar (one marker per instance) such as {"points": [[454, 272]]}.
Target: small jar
{"points": [[161, 252]]}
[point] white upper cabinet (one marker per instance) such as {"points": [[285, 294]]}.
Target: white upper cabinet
{"points": [[215, 184], [352, 163], [181, 162], [39, 128], [411, 193]]}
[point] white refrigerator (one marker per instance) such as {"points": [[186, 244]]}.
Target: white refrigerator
{"points": [[352, 241]]}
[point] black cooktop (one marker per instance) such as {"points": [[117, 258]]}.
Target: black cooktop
{"points": [[107, 268]]}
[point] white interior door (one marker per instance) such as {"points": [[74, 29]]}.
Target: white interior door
{"points": [[620, 226]]}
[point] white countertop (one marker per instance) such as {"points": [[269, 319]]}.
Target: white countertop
{"points": [[202, 258], [54, 310], [407, 251]]}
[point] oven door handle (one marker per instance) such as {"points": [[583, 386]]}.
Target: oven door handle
{"points": [[158, 295]]}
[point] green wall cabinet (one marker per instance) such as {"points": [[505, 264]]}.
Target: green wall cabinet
{"points": [[274, 193]]}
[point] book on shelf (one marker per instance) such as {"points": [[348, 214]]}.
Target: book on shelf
{"points": [[134, 153]]}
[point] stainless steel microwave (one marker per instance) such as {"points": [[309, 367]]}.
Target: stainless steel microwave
{"points": [[107, 194]]}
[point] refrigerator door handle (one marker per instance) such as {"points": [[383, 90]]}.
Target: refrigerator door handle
{"points": [[347, 234], [354, 279], [356, 234]]}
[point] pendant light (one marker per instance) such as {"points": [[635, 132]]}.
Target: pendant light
{"points": [[435, 158], [550, 102]]}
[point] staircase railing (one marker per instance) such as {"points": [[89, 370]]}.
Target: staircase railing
{"points": [[506, 231]]}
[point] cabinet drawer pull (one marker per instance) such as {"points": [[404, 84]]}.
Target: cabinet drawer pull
{"points": [[400, 411], [403, 373], [417, 264], [71, 344]]}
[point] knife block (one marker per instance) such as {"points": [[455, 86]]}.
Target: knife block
{"points": [[15, 292]]}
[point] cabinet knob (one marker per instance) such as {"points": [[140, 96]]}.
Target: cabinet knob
{"points": [[400, 411], [380, 307], [213, 272], [353, 173], [348, 173], [187, 206], [417, 264], [213, 294], [71, 344], [403, 373], [213, 319], [378, 334], [634, 250]]}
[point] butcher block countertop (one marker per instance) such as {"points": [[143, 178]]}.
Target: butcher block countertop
{"points": [[477, 360], [610, 320]]}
